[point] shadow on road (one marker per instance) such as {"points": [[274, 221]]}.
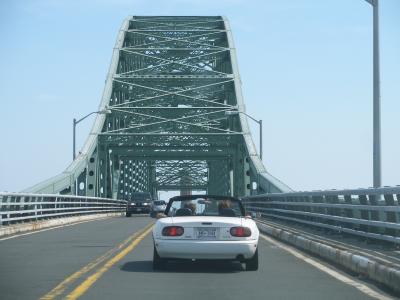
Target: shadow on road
{"points": [[184, 267]]}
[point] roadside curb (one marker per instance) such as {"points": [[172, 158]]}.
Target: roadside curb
{"points": [[6, 230], [383, 274]]}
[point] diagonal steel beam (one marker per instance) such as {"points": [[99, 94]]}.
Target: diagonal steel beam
{"points": [[166, 92], [169, 62], [184, 39], [177, 25], [177, 120]]}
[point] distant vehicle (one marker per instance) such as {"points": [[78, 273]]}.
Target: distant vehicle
{"points": [[140, 202], [158, 206], [205, 227]]}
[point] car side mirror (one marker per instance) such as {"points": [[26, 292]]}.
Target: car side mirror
{"points": [[251, 215]]}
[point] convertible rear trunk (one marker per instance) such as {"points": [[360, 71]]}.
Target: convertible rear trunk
{"points": [[206, 221]]}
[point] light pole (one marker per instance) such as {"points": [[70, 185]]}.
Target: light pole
{"points": [[376, 91], [74, 122], [236, 112]]}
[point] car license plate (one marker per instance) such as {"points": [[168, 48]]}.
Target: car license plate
{"points": [[139, 209], [206, 233]]}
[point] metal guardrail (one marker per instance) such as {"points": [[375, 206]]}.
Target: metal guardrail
{"points": [[16, 207], [371, 213]]}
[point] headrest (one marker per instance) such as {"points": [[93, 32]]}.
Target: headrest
{"points": [[227, 212], [183, 212]]}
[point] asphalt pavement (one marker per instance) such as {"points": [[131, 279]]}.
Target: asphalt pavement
{"points": [[112, 259]]}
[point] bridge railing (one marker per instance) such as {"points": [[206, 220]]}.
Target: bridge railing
{"points": [[371, 213], [30, 207]]}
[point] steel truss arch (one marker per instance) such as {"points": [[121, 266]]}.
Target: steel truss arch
{"points": [[170, 83]]}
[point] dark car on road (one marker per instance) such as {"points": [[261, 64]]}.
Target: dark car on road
{"points": [[139, 203]]}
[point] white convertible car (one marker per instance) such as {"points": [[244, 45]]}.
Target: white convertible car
{"points": [[205, 227]]}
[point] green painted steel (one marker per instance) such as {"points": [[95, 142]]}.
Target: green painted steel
{"points": [[170, 84]]}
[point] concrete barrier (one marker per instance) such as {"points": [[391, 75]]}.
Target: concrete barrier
{"points": [[31, 226], [387, 275]]}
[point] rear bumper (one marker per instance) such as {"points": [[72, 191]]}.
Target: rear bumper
{"points": [[194, 249]]}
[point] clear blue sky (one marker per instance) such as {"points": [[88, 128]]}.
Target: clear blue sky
{"points": [[306, 70]]}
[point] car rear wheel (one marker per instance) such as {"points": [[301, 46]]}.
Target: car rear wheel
{"points": [[158, 262], [128, 214], [252, 263]]}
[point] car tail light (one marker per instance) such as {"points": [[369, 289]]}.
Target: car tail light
{"points": [[240, 231], [172, 231]]}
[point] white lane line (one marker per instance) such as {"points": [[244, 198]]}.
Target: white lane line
{"points": [[345, 279], [50, 228]]}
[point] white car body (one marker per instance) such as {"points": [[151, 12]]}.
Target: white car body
{"points": [[158, 208], [191, 246]]}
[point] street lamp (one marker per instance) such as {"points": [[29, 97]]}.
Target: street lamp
{"points": [[376, 91], [74, 122], [236, 112]]}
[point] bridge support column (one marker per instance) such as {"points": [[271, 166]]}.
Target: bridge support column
{"points": [[152, 178], [220, 177], [91, 175], [102, 171], [246, 176], [81, 184]]}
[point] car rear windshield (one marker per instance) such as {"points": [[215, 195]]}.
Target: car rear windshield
{"points": [[205, 206], [141, 197]]}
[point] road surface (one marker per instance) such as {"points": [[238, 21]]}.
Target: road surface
{"points": [[112, 259]]}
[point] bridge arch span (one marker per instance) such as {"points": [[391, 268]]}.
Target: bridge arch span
{"points": [[175, 117]]}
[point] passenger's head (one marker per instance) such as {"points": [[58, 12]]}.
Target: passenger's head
{"points": [[191, 206], [224, 204]]}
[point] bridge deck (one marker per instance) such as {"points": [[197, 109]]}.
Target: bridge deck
{"points": [[32, 265]]}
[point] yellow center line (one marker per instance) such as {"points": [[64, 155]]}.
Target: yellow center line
{"points": [[61, 287], [84, 286]]}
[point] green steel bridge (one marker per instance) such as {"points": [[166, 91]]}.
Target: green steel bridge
{"points": [[172, 117]]}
